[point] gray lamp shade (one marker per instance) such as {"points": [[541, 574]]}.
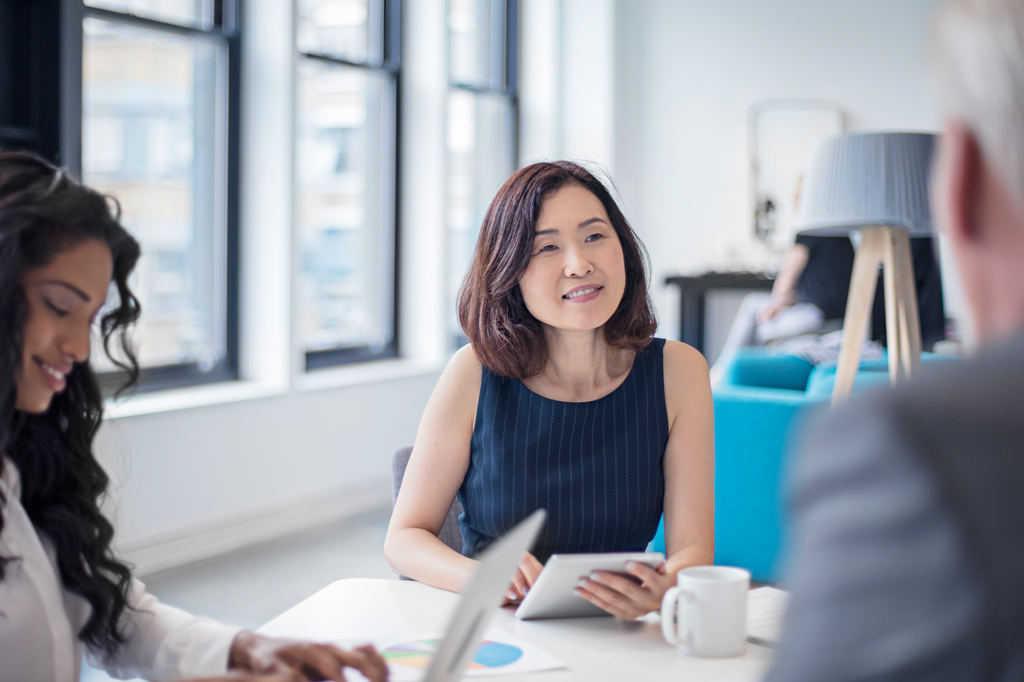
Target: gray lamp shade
{"points": [[859, 180]]}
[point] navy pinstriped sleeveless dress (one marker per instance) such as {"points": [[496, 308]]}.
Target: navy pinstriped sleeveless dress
{"points": [[596, 467]]}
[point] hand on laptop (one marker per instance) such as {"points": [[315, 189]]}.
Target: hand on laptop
{"points": [[626, 597], [253, 653], [249, 678], [525, 577]]}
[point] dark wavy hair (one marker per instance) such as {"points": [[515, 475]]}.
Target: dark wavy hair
{"points": [[42, 213], [506, 337]]}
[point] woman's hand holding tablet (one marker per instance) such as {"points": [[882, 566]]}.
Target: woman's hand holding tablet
{"points": [[626, 585], [523, 580], [627, 597]]}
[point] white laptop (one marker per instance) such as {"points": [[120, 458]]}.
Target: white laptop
{"points": [[480, 599]]}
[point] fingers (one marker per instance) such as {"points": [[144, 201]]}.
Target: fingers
{"points": [[325, 661], [531, 568], [249, 677], [654, 578], [618, 583], [620, 592], [519, 587], [525, 577], [654, 581], [320, 662], [608, 606], [623, 597], [377, 660], [367, 660]]}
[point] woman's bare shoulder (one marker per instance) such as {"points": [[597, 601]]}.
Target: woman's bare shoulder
{"points": [[465, 365], [683, 357], [459, 386], [687, 386], [685, 368]]}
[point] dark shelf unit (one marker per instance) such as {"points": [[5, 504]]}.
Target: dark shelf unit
{"points": [[693, 291]]}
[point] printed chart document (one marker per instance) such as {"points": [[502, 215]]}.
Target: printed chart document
{"points": [[766, 607], [499, 654]]}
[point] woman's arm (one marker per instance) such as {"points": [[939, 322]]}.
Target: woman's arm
{"points": [[689, 492], [793, 265], [689, 460], [163, 642], [436, 470], [784, 289]]}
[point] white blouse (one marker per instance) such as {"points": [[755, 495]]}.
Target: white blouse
{"points": [[40, 619]]}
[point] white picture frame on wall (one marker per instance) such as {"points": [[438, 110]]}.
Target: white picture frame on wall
{"points": [[781, 135]]}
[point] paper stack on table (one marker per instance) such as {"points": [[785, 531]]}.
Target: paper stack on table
{"points": [[766, 608]]}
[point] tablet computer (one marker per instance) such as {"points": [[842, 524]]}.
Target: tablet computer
{"points": [[552, 595]]}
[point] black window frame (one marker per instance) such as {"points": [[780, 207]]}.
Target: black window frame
{"points": [[30, 68], [227, 27], [389, 61]]}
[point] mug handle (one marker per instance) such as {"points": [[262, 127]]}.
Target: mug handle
{"points": [[669, 610]]}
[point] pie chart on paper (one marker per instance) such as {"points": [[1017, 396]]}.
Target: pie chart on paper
{"points": [[418, 653]]}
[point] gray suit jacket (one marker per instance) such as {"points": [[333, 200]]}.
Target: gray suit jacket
{"points": [[907, 561]]}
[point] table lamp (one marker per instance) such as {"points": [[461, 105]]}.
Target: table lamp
{"points": [[875, 183]]}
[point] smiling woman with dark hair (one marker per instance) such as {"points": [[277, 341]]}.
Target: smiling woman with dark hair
{"points": [[562, 401], [62, 589]]}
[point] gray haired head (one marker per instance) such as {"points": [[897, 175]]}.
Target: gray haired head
{"points": [[976, 68]]}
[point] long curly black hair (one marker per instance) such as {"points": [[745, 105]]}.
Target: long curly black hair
{"points": [[42, 213]]}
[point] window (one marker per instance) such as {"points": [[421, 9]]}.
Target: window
{"points": [[481, 136], [345, 177], [158, 133]]}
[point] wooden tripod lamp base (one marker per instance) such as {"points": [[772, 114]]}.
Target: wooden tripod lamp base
{"points": [[890, 248]]}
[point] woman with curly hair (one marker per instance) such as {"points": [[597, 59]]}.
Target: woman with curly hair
{"points": [[62, 589], [562, 401]]}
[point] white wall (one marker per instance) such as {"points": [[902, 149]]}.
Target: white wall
{"points": [[686, 74], [196, 482], [204, 470]]}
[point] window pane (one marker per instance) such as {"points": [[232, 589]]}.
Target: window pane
{"points": [[195, 13], [480, 158], [337, 28], [150, 139], [344, 214], [469, 40]]}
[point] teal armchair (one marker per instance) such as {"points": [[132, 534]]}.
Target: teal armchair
{"points": [[759, 407]]}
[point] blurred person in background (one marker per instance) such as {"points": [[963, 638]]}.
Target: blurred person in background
{"points": [[62, 589], [808, 296], [909, 515], [807, 304]]}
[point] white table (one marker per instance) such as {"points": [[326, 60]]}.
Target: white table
{"points": [[592, 648]]}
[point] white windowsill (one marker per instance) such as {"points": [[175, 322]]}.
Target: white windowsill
{"points": [[191, 396], [365, 373], [238, 391]]}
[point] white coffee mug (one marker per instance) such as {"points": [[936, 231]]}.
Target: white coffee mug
{"points": [[706, 615]]}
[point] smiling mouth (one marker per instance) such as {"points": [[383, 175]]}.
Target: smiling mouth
{"points": [[580, 292], [53, 371]]}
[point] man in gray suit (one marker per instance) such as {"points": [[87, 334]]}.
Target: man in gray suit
{"points": [[909, 504]]}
